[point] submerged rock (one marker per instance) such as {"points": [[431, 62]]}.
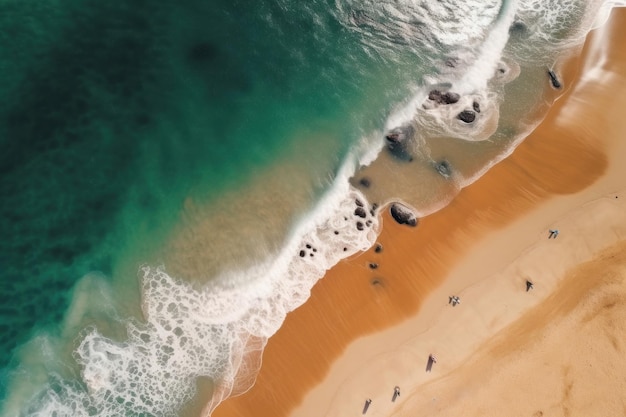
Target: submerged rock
{"points": [[443, 97], [365, 182], [476, 107], [398, 141], [403, 215], [444, 168], [467, 116], [395, 138], [518, 26]]}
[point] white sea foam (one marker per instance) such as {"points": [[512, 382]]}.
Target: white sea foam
{"points": [[604, 10], [422, 25], [192, 332], [473, 33], [477, 75], [552, 26]]}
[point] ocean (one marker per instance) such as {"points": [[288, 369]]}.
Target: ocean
{"points": [[176, 176]]}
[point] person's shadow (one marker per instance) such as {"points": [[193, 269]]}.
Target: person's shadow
{"points": [[367, 405]]}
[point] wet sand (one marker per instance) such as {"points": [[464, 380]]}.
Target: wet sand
{"points": [[364, 331]]}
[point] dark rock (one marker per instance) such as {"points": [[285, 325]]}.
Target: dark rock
{"points": [[365, 182], [373, 265], [311, 255], [336, 232], [554, 80], [360, 211], [467, 116], [374, 206], [476, 107], [395, 137], [403, 214], [444, 168], [368, 223], [518, 26], [302, 253], [359, 226], [379, 248], [358, 202], [445, 97], [308, 246], [398, 141], [450, 98], [345, 249]]}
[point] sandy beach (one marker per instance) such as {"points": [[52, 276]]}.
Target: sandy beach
{"points": [[555, 350]]}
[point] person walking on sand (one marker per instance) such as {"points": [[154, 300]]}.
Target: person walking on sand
{"points": [[556, 233], [552, 232], [396, 393], [529, 285], [431, 360]]}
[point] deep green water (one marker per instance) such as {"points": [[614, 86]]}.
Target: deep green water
{"points": [[124, 123], [113, 112]]}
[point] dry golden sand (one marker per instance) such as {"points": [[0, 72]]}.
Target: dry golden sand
{"points": [[497, 347]]}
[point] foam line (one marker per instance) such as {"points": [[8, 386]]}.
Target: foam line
{"points": [[192, 332]]}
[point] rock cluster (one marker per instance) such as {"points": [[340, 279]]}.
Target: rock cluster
{"points": [[361, 213], [443, 97], [310, 250], [362, 219], [398, 140]]}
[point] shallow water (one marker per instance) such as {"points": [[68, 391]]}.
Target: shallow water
{"points": [[175, 175]]}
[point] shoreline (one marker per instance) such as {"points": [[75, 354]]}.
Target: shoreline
{"points": [[346, 304], [475, 330]]}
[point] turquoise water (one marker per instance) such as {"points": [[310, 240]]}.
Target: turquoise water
{"points": [[119, 116], [114, 112]]}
